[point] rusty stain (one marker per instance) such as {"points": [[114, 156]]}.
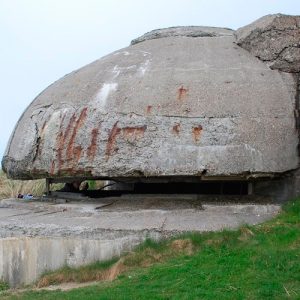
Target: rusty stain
{"points": [[197, 132], [128, 133], [182, 92], [61, 138], [78, 123], [149, 109], [72, 128], [69, 126], [91, 150], [77, 153], [176, 128], [52, 169], [133, 133], [110, 147]]}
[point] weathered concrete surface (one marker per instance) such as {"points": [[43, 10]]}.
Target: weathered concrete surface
{"points": [[185, 31], [275, 39], [40, 236], [171, 106], [24, 259]]}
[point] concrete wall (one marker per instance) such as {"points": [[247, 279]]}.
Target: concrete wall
{"points": [[24, 259], [279, 189]]}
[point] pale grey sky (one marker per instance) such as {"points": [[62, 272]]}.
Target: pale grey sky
{"points": [[42, 40]]}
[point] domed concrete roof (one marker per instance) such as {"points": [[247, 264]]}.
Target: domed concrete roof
{"points": [[178, 102]]}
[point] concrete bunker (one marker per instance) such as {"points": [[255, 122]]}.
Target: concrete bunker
{"points": [[210, 110]]}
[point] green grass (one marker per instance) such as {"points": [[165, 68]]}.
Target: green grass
{"points": [[255, 262], [3, 286]]}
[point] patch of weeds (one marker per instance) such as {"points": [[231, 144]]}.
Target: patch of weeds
{"points": [[3, 286], [92, 272], [292, 207], [150, 243]]}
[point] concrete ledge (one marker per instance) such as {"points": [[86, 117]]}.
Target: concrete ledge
{"points": [[40, 236]]}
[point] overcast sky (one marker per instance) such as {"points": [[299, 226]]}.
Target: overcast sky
{"points": [[42, 40]]}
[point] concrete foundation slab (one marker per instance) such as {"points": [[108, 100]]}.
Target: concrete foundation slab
{"points": [[37, 236]]}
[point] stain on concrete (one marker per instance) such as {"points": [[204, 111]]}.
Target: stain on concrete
{"points": [[92, 148], [176, 128], [111, 142], [197, 133], [182, 93]]}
